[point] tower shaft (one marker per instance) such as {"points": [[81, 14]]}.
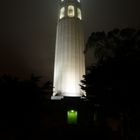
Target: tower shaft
{"points": [[69, 57]]}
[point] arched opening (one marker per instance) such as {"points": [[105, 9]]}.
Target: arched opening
{"points": [[71, 12], [79, 15], [62, 12]]}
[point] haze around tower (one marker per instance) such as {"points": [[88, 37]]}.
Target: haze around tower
{"points": [[28, 29]]}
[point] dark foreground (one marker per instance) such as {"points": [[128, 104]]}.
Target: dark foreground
{"points": [[52, 124]]}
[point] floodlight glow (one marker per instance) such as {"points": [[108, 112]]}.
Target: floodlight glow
{"points": [[70, 85]]}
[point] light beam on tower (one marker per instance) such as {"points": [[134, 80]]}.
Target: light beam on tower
{"points": [[69, 66]]}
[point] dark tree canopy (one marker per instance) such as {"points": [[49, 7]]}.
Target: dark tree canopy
{"points": [[118, 54], [21, 104], [114, 43], [115, 77], [113, 83]]}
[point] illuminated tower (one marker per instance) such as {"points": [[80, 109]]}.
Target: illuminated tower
{"points": [[69, 57]]}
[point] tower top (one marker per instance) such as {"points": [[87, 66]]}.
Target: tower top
{"points": [[67, 2], [70, 9], [70, 1]]}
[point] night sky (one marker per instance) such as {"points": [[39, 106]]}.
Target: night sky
{"points": [[28, 29]]}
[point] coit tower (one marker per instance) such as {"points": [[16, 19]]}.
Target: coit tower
{"points": [[69, 65]]}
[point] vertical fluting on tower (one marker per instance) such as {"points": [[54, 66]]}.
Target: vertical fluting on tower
{"points": [[69, 65]]}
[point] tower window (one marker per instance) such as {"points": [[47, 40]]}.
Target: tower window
{"points": [[79, 15], [71, 12], [62, 12]]}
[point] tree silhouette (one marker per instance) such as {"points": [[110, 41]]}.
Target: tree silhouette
{"points": [[114, 43], [124, 46], [113, 83], [21, 104]]}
